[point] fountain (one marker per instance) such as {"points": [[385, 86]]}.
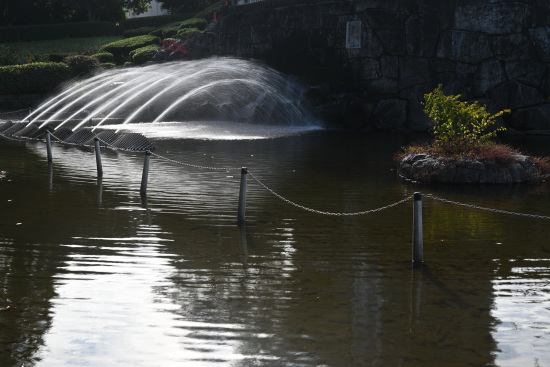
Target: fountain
{"points": [[189, 94]]}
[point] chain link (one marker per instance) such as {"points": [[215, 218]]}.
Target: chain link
{"points": [[328, 213], [486, 209]]}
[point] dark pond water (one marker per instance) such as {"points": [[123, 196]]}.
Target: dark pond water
{"points": [[92, 275]]}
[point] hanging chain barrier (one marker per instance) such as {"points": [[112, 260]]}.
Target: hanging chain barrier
{"points": [[264, 186], [500, 211], [328, 213]]}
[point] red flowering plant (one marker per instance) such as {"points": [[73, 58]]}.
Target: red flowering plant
{"points": [[172, 45]]}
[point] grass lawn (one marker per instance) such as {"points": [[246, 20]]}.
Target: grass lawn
{"points": [[88, 45]]}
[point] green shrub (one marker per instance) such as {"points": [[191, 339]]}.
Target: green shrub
{"points": [[82, 65], [157, 32], [35, 78], [108, 65], [184, 34], [141, 31], [199, 23], [459, 124], [104, 57], [121, 49], [144, 54], [128, 64], [57, 57], [169, 32], [56, 31]]}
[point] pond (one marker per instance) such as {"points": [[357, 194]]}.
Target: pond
{"points": [[92, 274]]}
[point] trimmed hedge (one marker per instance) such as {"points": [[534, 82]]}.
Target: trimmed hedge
{"points": [[184, 34], [169, 32], [199, 23], [104, 57], [121, 49], [82, 65], [56, 31], [37, 78], [208, 13], [144, 54]]}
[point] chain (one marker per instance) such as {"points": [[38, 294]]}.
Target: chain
{"points": [[486, 209], [328, 213], [194, 165]]}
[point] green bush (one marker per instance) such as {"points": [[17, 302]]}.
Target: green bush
{"points": [[121, 49], [199, 23], [104, 57], [459, 124], [169, 32], [184, 34], [82, 65], [35, 78], [141, 31], [108, 65], [56, 31], [157, 32], [144, 54]]}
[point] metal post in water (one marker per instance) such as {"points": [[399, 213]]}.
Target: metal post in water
{"points": [[242, 196], [30, 111], [98, 158], [418, 245], [145, 174], [49, 146]]}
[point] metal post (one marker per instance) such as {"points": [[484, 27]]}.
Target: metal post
{"points": [[49, 146], [145, 174], [98, 158], [418, 245], [30, 111], [242, 196]]}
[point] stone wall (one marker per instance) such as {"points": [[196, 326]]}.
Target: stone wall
{"points": [[493, 51]]}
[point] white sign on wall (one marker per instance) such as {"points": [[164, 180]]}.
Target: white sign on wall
{"points": [[353, 34]]}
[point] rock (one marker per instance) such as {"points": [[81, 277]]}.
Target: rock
{"points": [[429, 169], [514, 95]]}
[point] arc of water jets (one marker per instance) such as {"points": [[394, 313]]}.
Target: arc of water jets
{"points": [[199, 89], [73, 102], [158, 95], [119, 97], [54, 102], [101, 98]]}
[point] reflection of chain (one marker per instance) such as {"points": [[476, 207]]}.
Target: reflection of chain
{"points": [[328, 213], [487, 209], [195, 166]]}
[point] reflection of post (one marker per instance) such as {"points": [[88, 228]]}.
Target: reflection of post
{"points": [[418, 245], [243, 244], [145, 206], [242, 196], [50, 175], [99, 190], [415, 296], [145, 174], [49, 146], [98, 158]]}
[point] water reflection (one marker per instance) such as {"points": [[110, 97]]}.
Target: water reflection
{"points": [[96, 274]]}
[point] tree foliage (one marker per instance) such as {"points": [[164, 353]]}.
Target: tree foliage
{"points": [[26, 12]]}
